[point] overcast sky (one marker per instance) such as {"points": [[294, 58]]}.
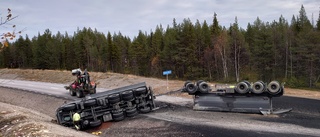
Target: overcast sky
{"points": [[130, 16]]}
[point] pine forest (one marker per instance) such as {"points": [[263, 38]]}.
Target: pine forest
{"points": [[283, 50]]}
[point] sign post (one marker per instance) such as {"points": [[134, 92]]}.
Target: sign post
{"points": [[167, 72]]}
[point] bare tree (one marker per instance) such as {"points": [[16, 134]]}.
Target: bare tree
{"points": [[5, 21], [220, 48]]}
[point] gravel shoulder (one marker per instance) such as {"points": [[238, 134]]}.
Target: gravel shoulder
{"points": [[27, 116]]}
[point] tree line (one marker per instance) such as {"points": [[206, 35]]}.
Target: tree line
{"points": [[277, 50]]}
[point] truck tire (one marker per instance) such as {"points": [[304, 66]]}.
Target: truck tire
{"points": [[145, 109], [68, 107], [247, 82], [132, 112], [258, 87], [114, 98], [191, 88], [187, 82], [242, 87], [79, 93], [89, 103], [118, 116], [203, 87], [95, 123], [274, 87], [199, 81], [127, 95], [72, 92], [85, 123], [140, 91], [93, 91]]}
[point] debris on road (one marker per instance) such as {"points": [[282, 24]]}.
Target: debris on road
{"points": [[96, 133]]}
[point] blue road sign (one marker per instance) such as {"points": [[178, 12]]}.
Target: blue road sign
{"points": [[167, 72]]}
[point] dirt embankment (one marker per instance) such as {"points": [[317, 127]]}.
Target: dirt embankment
{"points": [[114, 80], [21, 122]]}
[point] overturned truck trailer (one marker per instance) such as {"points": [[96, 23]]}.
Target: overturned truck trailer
{"points": [[242, 97], [109, 105]]}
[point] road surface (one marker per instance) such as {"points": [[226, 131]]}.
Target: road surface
{"points": [[51, 89]]}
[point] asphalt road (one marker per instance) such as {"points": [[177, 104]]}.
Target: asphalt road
{"points": [[177, 118], [51, 89]]}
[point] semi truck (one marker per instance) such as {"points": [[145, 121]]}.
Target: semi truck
{"points": [[110, 105]]}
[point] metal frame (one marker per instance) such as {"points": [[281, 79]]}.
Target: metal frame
{"points": [[242, 97], [236, 103]]}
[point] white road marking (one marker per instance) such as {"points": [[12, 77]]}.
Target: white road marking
{"points": [[54, 88]]}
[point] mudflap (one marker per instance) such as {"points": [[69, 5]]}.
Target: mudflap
{"points": [[153, 104], [231, 103]]}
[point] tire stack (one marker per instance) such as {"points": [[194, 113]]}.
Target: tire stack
{"points": [[199, 87]]}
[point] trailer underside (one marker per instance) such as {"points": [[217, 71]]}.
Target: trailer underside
{"points": [[244, 97], [230, 103]]}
